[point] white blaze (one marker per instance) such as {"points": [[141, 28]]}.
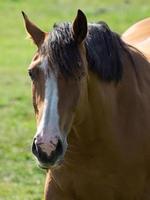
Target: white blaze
{"points": [[48, 129], [50, 120]]}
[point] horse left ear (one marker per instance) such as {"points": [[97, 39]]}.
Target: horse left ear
{"points": [[80, 27], [36, 34]]}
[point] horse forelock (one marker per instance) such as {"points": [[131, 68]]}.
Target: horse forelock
{"points": [[103, 51], [62, 51]]}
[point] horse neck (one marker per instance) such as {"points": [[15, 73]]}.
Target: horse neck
{"points": [[96, 126]]}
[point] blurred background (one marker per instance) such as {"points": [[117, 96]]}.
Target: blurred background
{"points": [[20, 178]]}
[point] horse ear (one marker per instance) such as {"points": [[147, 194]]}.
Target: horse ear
{"points": [[80, 27], [36, 34]]}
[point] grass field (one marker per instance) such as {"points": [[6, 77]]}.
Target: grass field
{"points": [[20, 178]]}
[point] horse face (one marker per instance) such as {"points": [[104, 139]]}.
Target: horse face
{"points": [[54, 100], [55, 97]]}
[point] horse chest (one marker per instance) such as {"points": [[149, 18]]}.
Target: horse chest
{"points": [[93, 186]]}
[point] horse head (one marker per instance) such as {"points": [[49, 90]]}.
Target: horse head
{"points": [[57, 71]]}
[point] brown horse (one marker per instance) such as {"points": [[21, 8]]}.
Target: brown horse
{"points": [[138, 35], [91, 95]]}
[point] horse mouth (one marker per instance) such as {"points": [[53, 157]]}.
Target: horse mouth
{"points": [[46, 166]]}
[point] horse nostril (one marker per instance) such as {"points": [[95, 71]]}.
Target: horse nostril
{"points": [[59, 148], [35, 148]]}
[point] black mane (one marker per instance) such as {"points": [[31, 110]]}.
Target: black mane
{"points": [[103, 48], [63, 51]]}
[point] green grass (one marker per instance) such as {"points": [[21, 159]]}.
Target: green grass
{"points": [[20, 178]]}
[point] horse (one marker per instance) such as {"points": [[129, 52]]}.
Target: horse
{"points": [[138, 36], [91, 96]]}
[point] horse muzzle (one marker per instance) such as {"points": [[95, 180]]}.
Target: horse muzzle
{"points": [[48, 154]]}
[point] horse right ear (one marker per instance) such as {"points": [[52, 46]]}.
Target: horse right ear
{"points": [[80, 27], [36, 34]]}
